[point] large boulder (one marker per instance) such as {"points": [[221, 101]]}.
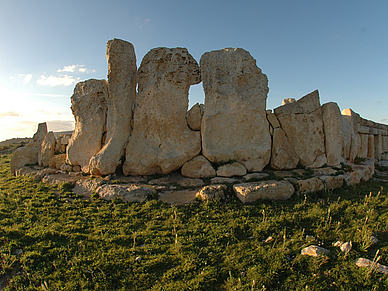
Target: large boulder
{"points": [[283, 155], [302, 123], [122, 95], [332, 126], [234, 125], [199, 167], [46, 150], [89, 107], [161, 140]]}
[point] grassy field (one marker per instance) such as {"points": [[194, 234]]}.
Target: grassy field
{"points": [[51, 239]]}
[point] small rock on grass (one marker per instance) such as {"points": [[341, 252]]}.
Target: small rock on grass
{"points": [[362, 262], [314, 251]]}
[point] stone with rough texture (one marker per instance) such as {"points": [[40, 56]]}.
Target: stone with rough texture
{"points": [[303, 126], [371, 146], [347, 138], [352, 118], [179, 197], [364, 171], [319, 162], [230, 170], [89, 107], [161, 140], [352, 178], [252, 176], [130, 192], [332, 182], [273, 121], [283, 156], [288, 100], [40, 134], [361, 262], [332, 127], [57, 161], [194, 117], [274, 190], [122, 72], [223, 180], [314, 251], [46, 150], [86, 187], [234, 125], [187, 182], [363, 145], [199, 167], [212, 192], [309, 185]]}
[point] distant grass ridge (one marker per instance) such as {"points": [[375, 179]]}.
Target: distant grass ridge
{"points": [[52, 239]]}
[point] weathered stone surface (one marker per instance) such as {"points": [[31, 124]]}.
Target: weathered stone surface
{"points": [[274, 190], [187, 182], [230, 170], [363, 145], [179, 197], [39, 175], [309, 185], [223, 180], [273, 121], [288, 100], [234, 125], [46, 150], [57, 161], [194, 117], [212, 192], [352, 178], [161, 140], [319, 162], [371, 146], [66, 168], [353, 118], [361, 262], [39, 135], [252, 176], [378, 147], [324, 171], [332, 182], [86, 187], [282, 174], [25, 171], [347, 138], [314, 251], [332, 127], [89, 107], [283, 156], [130, 192], [122, 95], [303, 126], [27, 155], [199, 167], [364, 171], [56, 179]]}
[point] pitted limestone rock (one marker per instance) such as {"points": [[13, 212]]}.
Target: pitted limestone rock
{"points": [[234, 125], [332, 126], [161, 140]]}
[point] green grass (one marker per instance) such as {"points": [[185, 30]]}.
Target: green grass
{"points": [[51, 239]]}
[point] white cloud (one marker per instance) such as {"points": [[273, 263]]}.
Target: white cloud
{"points": [[64, 80], [60, 125], [27, 78], [75, 68], [9, 114]]}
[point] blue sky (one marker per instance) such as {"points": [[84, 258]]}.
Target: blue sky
{"points": [[337, 47]]}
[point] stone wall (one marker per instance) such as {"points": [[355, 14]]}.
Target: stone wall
{"points": [[152, 131]]}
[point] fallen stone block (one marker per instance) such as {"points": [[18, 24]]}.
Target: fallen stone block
{"points": [[127, 193], [212, 192], [309, 185], [230, 170]]}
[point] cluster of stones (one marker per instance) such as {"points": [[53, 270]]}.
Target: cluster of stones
{"points": [[150, 130]]}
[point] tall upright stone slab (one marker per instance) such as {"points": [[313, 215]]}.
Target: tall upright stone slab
{"points": [[234, 125], [46, 150], [352, 118], [332, 126], [303, 125], [283, 156], [122, 95], [89, 107], [161, 140]]}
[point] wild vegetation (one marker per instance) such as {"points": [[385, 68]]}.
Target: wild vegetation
{"points": [[52, 239]]}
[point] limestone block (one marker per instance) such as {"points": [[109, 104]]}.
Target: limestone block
{"points": [[385, 143], [288, 100], [40, 134], [65, 139], [373, 130], [378, 147], [57, 161], [314, 251], [274, 190], [332, 182], [234, 125], [364, 171], [23, 156], [89, 107], [47, 150], [230, 170], [352, 178], [199, 167], [371, 146], [223, 180], [273, 121], [347, 138], [194, 117], [363, 129], [212, 192], [324, 172], [122, 95], [353, 118], [303, 126], [363, 145], [309, 185], [332, 127], [130, 192], [161, 140], [283, 156], [319, 162]]}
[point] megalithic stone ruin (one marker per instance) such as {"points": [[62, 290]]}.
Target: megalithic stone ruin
{"points": [[152, 131]]}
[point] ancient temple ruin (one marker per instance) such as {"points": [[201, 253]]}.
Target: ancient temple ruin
{"points": [[151, 130]]}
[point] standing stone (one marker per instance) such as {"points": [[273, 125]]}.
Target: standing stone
{"points": [[40, 134], [302, 123], [378, 146], [332, 126], [283, 155], [347, 138], [353, 118], [194, 117], [46, 150], [89, 108], [234, 125], [371, 146], [161, 140], [363, 149], [122, 94]]}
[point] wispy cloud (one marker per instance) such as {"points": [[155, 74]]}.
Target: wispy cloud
{"points": [[25, 77], [9, 114], [60, 125], [64, 80], [75, 68], [142, 22]]}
